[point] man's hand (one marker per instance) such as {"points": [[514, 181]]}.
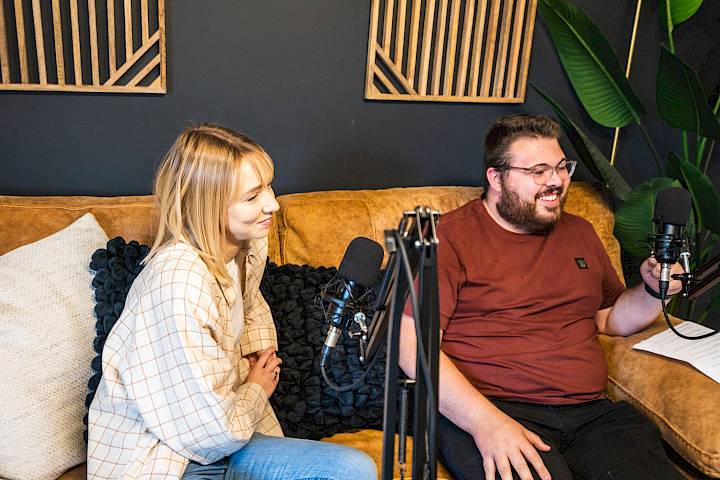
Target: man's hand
{"points": [[650, 271], [506, 445]]}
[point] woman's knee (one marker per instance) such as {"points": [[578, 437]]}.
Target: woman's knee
{"points": [[356, 465]]}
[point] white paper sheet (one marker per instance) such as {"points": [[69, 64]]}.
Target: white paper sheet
{"points": [[702, 354]]}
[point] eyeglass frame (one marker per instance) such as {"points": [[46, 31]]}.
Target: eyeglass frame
{"points": [[565, 164]]}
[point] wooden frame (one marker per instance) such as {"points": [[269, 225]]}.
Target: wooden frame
{"points": [[480, 50], [112, 46]]}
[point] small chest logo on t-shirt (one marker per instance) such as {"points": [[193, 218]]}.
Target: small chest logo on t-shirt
{"points": [[581, 263]]}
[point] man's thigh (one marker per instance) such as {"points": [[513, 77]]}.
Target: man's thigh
{"points": [[616, 442], [462, 459]]}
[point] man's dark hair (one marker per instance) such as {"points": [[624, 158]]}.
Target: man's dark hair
{"points": [[506, 130]]}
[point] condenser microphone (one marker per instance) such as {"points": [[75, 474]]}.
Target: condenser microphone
{"points": [[672, 211], [358, 272]]}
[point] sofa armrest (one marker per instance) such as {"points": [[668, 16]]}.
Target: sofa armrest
{"points": [[682, 401]]}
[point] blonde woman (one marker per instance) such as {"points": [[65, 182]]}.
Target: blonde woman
{"points": [[191, 362]]}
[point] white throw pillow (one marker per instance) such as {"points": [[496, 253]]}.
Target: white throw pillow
{"points": [[46, 336]]}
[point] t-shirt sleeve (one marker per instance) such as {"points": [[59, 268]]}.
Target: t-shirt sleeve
{"points": [[450, 272], [612, 287]]}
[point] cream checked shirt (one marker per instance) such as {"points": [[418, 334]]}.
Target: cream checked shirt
{"points": [[173, 369]]}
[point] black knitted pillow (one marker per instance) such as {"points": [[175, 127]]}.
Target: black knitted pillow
{"points": [[115, 269], [305, 406]]}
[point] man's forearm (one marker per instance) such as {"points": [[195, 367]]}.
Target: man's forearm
{"points": [[633, 311]]}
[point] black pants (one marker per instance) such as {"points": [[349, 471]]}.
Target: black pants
{"points": [[598, 440]]}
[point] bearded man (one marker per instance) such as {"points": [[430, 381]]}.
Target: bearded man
{"points": [[524, 290]]}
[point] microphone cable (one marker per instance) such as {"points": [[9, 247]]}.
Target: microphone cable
{"points": [[353, 385], [682, 335]]}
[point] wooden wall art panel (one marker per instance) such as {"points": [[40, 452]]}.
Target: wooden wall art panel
{"points": [[114, 46], [449, 50]]}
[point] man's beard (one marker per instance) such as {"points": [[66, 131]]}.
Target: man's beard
{"points": [[523, 214]]}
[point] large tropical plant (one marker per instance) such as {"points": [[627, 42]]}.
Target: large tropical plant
{"points": [[608, 97]]}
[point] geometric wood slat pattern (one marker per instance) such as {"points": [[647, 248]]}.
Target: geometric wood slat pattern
{"points": [[112, 46], [449, 50]]}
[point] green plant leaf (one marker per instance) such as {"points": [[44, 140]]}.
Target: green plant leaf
{"points": [[705, 199], [591, 65], [633, 220], [590, 155], [681, 10], [680, 97]]}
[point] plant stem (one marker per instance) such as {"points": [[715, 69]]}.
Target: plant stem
{"points": [[668, 15], [709, 156], [671, 45], [652, 148], [699, 147]]}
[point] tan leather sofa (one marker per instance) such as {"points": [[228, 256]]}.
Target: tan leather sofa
{"points": [[315, 228]]}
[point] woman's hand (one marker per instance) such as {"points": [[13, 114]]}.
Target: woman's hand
{"points": [[265, 371]]}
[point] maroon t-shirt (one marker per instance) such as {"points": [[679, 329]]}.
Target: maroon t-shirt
{"points": [[517, 310]]}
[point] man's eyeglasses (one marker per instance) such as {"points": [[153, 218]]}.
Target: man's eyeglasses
{"points": [[543, 172]]}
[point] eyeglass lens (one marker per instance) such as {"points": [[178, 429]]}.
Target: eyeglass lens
{"points": [[564, 170]]}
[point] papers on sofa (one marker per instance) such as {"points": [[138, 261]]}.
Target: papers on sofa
{"points": [[702, 354]]}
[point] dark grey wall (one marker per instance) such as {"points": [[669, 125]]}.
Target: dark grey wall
{"points": [[290, 73]]}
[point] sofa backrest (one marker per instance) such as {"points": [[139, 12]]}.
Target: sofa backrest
{"points": [[316, 227], [313, 228], [25, 220]]}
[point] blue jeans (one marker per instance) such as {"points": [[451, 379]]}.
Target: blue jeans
{"points": [[287, 459]]}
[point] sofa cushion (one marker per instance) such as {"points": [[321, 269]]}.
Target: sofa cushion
{"points": [[46, 309], [680, 400], [76, 473], [371, 442]]}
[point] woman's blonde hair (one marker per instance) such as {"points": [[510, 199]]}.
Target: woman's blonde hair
{"points": [[195, 183]]}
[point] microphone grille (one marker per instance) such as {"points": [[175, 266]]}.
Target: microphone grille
{"points": [[361, 262], [672, 206]]}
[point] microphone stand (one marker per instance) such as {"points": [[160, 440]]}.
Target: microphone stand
{"points": [[413, 250], [703, 279]]}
